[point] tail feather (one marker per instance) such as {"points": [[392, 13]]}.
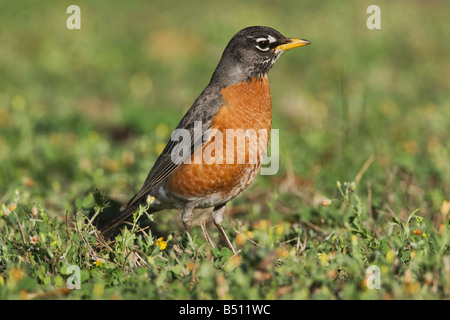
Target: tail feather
{"points": [[113, 224], [127, 204]]}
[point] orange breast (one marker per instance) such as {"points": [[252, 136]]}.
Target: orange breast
{"points": [[231, 158]]}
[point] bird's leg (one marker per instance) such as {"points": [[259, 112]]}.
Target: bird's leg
{"points": [[187, 215], [218, 218]]}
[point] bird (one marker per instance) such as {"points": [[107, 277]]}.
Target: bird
{"points": [[235, 105]]}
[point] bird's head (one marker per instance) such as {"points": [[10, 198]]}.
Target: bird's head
{"points": [[253, 51]]}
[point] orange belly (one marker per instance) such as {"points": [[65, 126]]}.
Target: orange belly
{"points": [[231, 159]]}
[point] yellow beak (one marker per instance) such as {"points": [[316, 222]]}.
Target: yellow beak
{"points": [[293, 43]]}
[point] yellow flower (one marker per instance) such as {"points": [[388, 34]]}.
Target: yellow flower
{"points": [[279, 229], [323, 259], [98, 263], [17, 274], [161, 243], [282, 253], [240, 239], [150, 199], [325, 203], [261, 224], [12, 206], [390, 256], [412, 287]]}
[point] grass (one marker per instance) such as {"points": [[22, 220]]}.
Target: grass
{"points": [[363, 118]]}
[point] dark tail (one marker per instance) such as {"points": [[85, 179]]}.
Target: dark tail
{"points": [[108, 228]]}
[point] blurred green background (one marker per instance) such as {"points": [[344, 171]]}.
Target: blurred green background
{"points": [[94, 107]]}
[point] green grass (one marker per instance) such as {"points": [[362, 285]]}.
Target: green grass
{"points": [[93, 107]]}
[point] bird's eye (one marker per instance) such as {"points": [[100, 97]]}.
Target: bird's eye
{"points": [[262, 44]]}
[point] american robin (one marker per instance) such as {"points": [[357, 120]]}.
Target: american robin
{"points": [[235, 104]]}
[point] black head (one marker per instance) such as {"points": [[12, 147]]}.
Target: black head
{"points": [[251, 53]]}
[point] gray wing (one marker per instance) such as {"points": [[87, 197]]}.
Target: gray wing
{"points": [[204, 109]]}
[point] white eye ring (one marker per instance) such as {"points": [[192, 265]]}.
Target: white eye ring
{"points": [[265, 46], [271, 39]]}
